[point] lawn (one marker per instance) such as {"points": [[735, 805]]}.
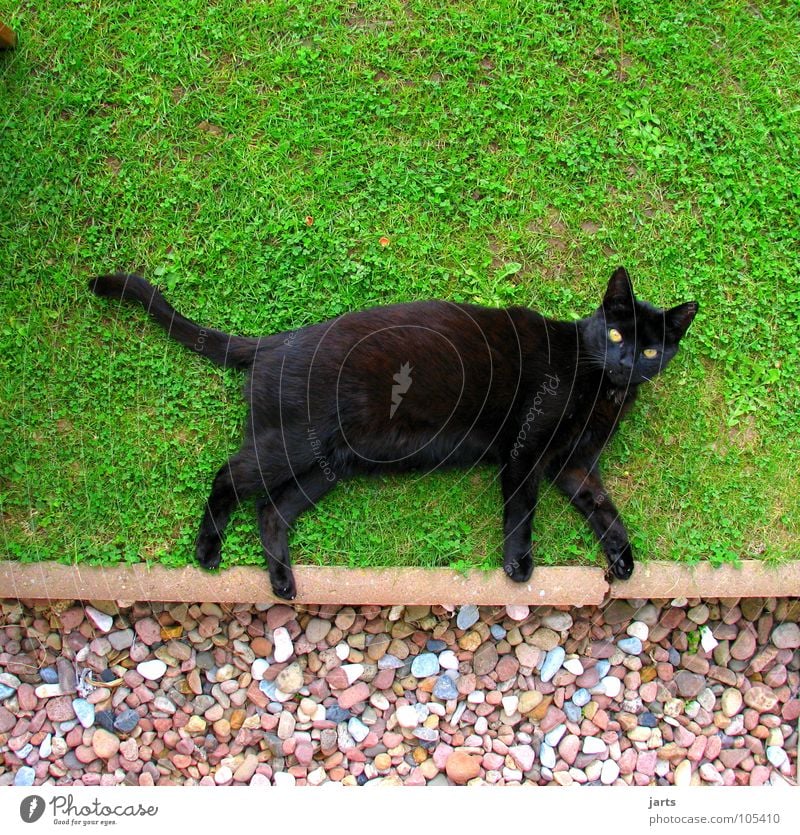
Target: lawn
{"points": [[249, 158]]}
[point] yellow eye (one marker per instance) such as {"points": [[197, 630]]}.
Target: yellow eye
{"points": [[614, 335], [650, 353]]}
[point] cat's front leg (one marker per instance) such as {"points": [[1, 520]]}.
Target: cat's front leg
{"points": [[586, 492], [520, 485]]}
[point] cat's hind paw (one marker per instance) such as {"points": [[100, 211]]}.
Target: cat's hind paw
{"points": [[209, 551], [621, 564], [519, 568]]}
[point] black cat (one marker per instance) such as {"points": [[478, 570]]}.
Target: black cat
{"points": [[427, 385]]}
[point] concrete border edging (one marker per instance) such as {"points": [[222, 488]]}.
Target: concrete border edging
{"points": [[560, 586]]}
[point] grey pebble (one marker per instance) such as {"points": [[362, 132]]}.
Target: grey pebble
{"points": [[126, 721], [49, 675], [105, 719], [498, 633], [6, 692], [630, 646], [389, 662], [445, 688], [337, 714], [25, 776], [434, 645], [467, 616], [581, 697]]}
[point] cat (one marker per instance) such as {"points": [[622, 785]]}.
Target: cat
{"points": [[427, 385]]}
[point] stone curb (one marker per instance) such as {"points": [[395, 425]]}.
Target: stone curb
{"points": [[561, 586]]}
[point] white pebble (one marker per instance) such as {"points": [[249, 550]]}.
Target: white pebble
{"points": [[342, 651], [777, 756], [638, 629], [476, 697], [223, 775], [448, 660], [407, 717], [283, 778], [258, 668], [609, 772], [593, 745], [379, 701], [152, 670], [100, 619], [612, 686], [352, 671], [574, 666], [284, 649], [46, 691], [510, 704]]}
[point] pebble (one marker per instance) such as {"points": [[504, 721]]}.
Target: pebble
{"points": [[497, 632], [126, 721], [630, 646], [609, 772], [424, 665], [547, 756], [462, 767], [104, 744], [84, 711], [407, 717], [786, 636], [445, 688], [594, 745], [467, 617], [151, 670], [100, 619], [611, 686], [518, 612], [25, 776], [581, 697], [552, 663], [283, 648]]}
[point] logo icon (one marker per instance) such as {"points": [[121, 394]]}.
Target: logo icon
{"points": [[32, 808], [403, 384]]}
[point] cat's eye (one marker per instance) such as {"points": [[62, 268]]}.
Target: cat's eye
{"points": [[614, 335], [650, 353]]}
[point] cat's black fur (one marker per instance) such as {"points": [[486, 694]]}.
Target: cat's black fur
{"points": [[426, 385]]}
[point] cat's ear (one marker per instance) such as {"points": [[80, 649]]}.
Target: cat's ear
{"points": [[619, 292], [679, 318]]}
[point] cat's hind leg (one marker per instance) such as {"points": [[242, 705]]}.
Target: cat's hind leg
{"points": [[278, 511], [237, 480]]}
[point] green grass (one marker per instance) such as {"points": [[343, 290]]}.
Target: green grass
{"points": [[512, 152]]}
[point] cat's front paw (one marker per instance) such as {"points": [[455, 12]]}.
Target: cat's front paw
{"points": [[519, 568], [620, 562], [209, 551], [286, 589]]}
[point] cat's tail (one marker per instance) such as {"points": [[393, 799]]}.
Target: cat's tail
{"points": [[221, 348]]}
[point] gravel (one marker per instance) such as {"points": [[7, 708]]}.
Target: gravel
{"points": [[685, 692]]}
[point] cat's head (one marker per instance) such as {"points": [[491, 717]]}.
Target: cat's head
{"points": [[630, 339]]}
